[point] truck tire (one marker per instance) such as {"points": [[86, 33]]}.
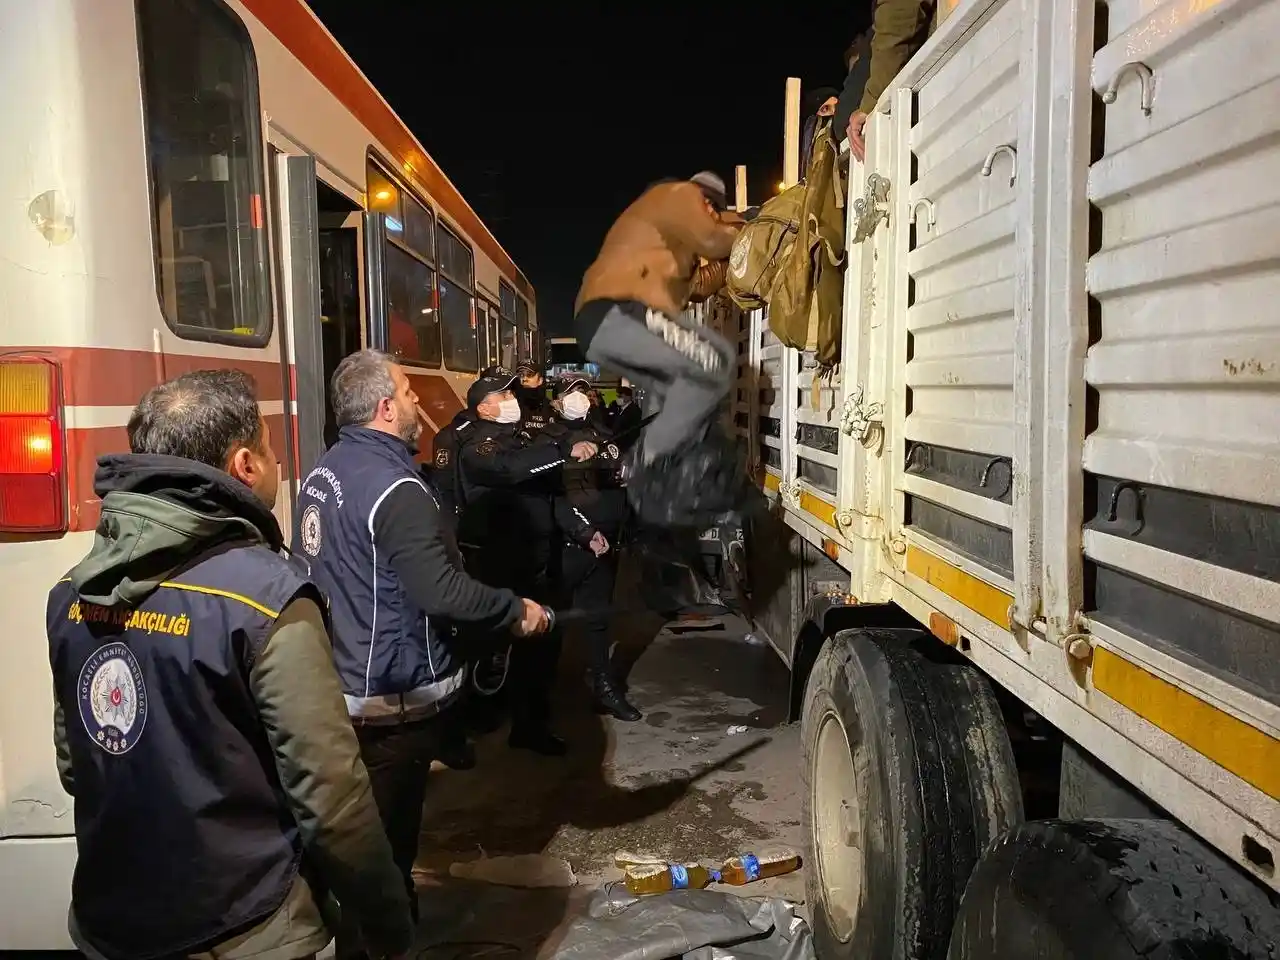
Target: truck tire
{"points": [[1111, 890], [909, 777]]}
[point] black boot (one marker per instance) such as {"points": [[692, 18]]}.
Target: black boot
{"points": [[607, 698]]}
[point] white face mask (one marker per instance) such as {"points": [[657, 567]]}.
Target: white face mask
{"points": [[575, 406], [509, 411]]}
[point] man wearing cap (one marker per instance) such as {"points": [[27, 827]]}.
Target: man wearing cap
{"points": [[628, 316], [532, 394], [590, 509], [507, 479]]}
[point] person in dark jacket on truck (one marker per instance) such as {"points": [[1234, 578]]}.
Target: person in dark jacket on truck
{"points": [[376, 542], [899, 28], [220, 799]]}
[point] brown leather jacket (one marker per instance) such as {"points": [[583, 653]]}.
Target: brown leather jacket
{"points": [[651, 254]]}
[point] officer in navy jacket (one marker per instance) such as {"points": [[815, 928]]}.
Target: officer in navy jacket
{"points": [[220, 800], [508, 477], [375, 540]]}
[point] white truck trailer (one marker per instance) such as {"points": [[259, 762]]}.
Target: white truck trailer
{"points": [[1031, 589]]}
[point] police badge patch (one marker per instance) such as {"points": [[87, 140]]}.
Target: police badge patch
{"points": [[486, 448], [113, 698], [310, 530], [612, 450], [442, 458]]}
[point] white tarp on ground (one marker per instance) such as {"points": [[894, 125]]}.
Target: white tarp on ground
{"points": [[686, 924]]}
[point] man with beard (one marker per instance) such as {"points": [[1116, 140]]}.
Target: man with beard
{"points": [[220, 799], [379, 546]]}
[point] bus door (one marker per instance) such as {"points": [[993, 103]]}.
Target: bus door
{"points": [[491, 317], [322, 252]]}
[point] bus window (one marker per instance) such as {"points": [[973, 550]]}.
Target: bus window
{"points": [[419, 229], [413, 314], [414, 334], [457, 322], [507, 299], [204, 150], [508, 344]]}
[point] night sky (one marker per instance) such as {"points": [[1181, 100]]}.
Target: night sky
{"points": [[551, 124]]}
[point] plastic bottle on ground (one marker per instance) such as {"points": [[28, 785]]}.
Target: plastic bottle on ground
{"points": [[643, 879], [747, 867]]}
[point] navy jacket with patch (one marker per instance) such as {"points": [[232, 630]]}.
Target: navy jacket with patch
{"points": [[394, 663]]}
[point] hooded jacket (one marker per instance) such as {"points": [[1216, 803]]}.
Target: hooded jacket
{"points": [[217, 779]]}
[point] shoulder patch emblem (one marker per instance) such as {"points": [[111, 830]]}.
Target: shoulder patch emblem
{"points": [[113, 698], [612, 450], [486, 447], [309, 530], [442, 457]]}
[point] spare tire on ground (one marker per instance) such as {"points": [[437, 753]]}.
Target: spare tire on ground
{"points": [[910, 776], [1112, 890]]}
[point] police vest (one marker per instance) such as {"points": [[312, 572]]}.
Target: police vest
{"points": [[184, 834], [393, 665]]}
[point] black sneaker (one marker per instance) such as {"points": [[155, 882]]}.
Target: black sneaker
{"points": [[490, 673], [540, 741], [457, 753]]}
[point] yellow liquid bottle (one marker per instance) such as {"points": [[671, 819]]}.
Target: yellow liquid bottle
{"points": [[643, 879], [748, 867]]}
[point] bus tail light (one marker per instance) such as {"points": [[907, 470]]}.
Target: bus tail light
{"points": [[33, 462]]}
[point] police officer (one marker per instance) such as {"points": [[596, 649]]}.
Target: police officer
{"points": [[198, 723], [508, 478], [590, 508], [442, 469], [377, 543], [531, 391]]}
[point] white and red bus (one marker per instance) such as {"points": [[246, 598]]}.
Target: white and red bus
{"points": [[191, 184]]}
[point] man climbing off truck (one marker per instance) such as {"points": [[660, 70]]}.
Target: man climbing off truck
{"points": [[683, 471]]}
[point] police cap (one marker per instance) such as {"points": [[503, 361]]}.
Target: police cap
{"points": [[491, 380], [567, 384]]}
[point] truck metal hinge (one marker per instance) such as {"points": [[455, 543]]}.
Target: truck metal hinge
{"points": [[870, 208], [858, 419]]}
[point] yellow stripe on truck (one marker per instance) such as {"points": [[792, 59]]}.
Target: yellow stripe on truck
{"points": [[818, 507], [979, 596], [1232, 744]]}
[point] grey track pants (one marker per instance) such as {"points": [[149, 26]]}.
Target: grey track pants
{"points": [[685, 370]]}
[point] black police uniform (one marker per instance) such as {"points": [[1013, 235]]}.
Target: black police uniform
{"points": [[507, 477], [591, 500], [441, 472]]}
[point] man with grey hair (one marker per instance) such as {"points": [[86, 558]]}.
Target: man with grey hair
{"points": [[377, 543], [198, 721]]}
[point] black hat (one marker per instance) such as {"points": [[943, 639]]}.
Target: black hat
{"points": [[491, 380], [525, 366], [567, 384]]}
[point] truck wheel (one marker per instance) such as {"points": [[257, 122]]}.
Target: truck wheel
{"points": [[1111, 890], [910, 776]]}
